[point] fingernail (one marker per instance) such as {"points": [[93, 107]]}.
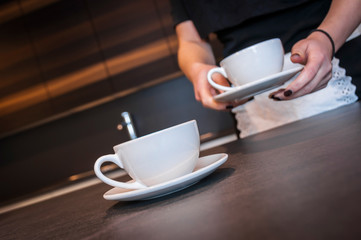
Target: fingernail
{"points": [[279, 91], [287, 93], [229, 107], [276, 98], [295, 55], [272, 96]]}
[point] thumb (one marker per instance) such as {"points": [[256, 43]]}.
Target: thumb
{"points": [[298, 53]]}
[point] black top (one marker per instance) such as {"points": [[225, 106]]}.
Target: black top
{"points": [[214, 15], [239, 24]]}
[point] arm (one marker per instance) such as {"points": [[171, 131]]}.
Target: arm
{"points": [[315, 51], [195, 58]]}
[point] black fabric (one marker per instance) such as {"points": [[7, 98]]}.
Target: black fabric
{"points": [[214, 15], [290, 25], [178, 12]]}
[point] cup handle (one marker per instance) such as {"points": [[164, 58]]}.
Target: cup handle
{"points": [[114, 159], [215, 85]]}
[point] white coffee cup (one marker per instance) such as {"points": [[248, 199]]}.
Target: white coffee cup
{"points": [[253, 63], [155, 158]]}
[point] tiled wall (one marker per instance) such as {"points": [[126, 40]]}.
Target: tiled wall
{"points": [[57, 55]]}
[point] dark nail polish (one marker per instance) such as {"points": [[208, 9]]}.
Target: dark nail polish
{"points": [[272, 96], [288, 93], [229, 107]]}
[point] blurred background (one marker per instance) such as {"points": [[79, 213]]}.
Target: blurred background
{"points": [[69, 68]]}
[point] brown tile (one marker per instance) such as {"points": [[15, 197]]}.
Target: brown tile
{"points": [[153, 70], [18, 65], [24, 117], [65, 44]]}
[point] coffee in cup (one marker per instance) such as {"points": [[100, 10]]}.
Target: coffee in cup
{"points": [[155, 158], [250, 64]]}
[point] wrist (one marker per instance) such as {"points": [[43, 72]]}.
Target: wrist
{"points": [[326, 35], [196, 70]]}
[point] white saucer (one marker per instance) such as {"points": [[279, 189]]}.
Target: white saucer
{"points": [[204, 167], [253, 88]]}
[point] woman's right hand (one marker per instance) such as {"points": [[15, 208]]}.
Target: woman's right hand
{"points": [[203, 91], [195, 58]]}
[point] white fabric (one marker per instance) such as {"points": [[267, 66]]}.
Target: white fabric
{"points": [[262, 113]]}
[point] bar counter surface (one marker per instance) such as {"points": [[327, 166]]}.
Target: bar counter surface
{"points": [[298, 181]]}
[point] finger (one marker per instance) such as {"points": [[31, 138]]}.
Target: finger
{"points": [[321, 79], [220, 79], [214, 91], [324, 82], [274, 94], [196, 94], [207, 100], [320, 87], [299, 53], [211, 103], [242, 101], [296, 58], [308, 73]]}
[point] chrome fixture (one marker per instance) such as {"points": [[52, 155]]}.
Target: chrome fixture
{"points": [[128, 123]]}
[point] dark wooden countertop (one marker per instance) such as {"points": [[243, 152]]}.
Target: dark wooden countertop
{"points": [[299, 181]]}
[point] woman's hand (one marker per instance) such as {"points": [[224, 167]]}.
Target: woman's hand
{"points": [[315, 52], [203, 91], [195, 58]]}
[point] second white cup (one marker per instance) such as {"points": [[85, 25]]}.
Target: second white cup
{"points": [[250, 64]]}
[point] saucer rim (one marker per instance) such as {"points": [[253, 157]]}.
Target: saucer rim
{"points": [[193, 175], [220, 97], [272, 76], [257, 82]]}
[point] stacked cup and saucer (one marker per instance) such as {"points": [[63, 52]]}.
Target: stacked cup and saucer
{"points": [[254, 70], [160, 163]]}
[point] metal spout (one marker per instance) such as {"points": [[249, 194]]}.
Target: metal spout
{"points": [[127, 122]]}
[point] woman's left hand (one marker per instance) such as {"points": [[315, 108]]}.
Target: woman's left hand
{"points": [[315, 52]]}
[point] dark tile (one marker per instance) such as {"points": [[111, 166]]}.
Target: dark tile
{"points": [[81, 96], [24, 117], [145, 73], [18, 69], [64, 41]]}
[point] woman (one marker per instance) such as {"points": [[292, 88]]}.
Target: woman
{"points": [[239, 24], [195, 54]]}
